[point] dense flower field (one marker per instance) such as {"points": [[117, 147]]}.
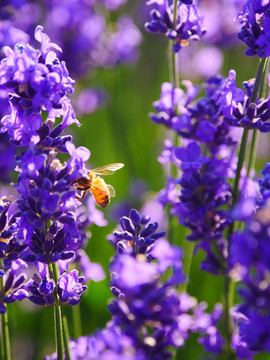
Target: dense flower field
{"points": [[171, 97]]}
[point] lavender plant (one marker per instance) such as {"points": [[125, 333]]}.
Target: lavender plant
{"points": [[42, 231]]}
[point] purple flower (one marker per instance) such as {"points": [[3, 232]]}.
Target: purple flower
{"points": [[10, 249], [70, 288], [41, 291], [212, 341], [188, 24], [37, 82], [255, 30], [14, 284], [244, 113], [136, 235], [171, 106]]}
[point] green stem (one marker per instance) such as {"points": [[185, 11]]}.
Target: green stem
{"points": [[241, 159], [188, 247], [226, 318], [58, 323], [5, 339], [76, 321], [253, 152], [66, 334], [6, 353], [258, 80], [58, 326], [174, 76], [175, 3]]}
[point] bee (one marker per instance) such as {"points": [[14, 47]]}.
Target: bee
{"points": [[101, 191]]}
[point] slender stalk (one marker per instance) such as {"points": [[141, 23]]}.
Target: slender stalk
{"points": [[174, 77], [5, 339], [76, 321], [6, 354], [188, 247], [66, 334], [58, 326], [58, 323], [253, 152]]}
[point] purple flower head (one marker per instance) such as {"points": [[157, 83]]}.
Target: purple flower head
{"points": [[207, 160], [37, 81], [238, 344], [136, 234], [70, 288], [205, 323], [142, 298], [188, 25], [229, 95], [171, 107], [10, 249], [15, 287], [41, 291], [47, 195], [255, 30], [244, 113]]}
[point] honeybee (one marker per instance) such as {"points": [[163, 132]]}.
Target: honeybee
{"points": [[101, 191]]}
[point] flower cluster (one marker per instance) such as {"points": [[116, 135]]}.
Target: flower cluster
{"points": [[186, 27], [242, 111], [135, 235], [37, 81], [206, 161], [255, 28], [45, 224]]}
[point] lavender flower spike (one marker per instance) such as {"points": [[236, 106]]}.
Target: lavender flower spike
{"points": [[188, 21]]}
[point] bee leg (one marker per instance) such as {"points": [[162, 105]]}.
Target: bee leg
{"points": [[80, 197]]}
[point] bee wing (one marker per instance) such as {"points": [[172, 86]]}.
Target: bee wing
{"points": [[111, 190], [107, 169]]}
